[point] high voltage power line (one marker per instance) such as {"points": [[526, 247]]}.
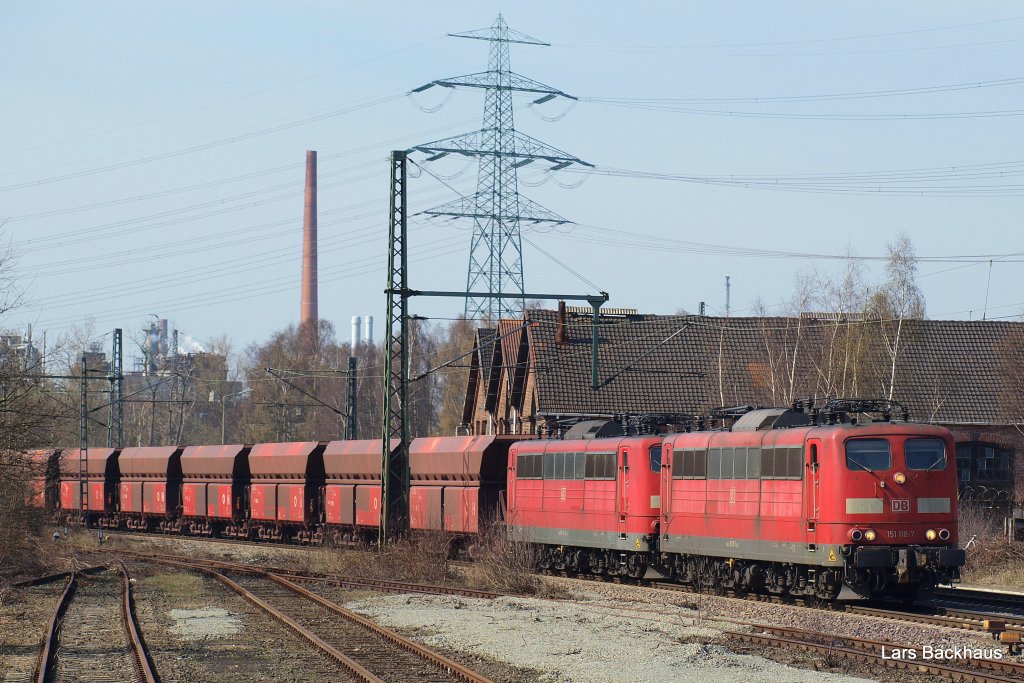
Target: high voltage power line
{"points": [[785, 99], [497, 209]]}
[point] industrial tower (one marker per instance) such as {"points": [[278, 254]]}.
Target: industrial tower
{"points": [[497, 208]]}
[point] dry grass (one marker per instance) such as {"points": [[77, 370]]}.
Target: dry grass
{"points": [[500, 563], [503, 563], [178, 586], [424, 558], [992, 561]]}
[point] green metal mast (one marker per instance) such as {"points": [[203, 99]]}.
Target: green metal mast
{"points": [[394, 499]]}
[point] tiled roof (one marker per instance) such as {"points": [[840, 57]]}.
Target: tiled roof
{"points": [[947, 371], [953, 370]]}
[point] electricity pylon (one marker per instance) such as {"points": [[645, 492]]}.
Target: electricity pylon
{"points": [[497, 208]]}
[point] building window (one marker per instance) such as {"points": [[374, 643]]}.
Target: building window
{"points": [[984, 463]]}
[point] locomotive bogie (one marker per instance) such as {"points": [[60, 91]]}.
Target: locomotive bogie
{"points": [[594, 561]]}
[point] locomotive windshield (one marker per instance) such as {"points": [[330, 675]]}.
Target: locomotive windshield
{"points": [[656, 458], [925, 454], [869, 455]]}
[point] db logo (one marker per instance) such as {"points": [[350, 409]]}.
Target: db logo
{"points": [[901, 505]]}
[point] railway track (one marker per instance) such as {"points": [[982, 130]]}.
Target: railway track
{"points": [[365, 650], [952, 599], [378, 585], [933, 615], [53, 578], [883, 654], [936, 615], [93, 634]]}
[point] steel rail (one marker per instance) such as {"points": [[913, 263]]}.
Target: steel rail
{"points": [[47, 653], [859, 649], [448, 665], [382, 585], [970, 624], [973, 595], [51, 578], [44, 667], [139, 650], [943, 616], [350, 665], [1001, 665]]}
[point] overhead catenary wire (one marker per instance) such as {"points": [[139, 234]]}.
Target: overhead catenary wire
{"points": [[827, 39], [820, 97], [220, 103], [200, 147], [322, 158], [823, 185], [354, 235], [238, 293]]}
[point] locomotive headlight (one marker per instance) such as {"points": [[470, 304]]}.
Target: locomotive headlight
{"points": [[870, 535], [931, 535], [944, 534], [899, 478], [856, 535]]}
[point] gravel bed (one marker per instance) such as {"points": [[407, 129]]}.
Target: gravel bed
{"points": [[24, 616], [710, 608], [198, 630], [574, 643], [607, 632]]}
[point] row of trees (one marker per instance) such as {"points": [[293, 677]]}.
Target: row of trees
{"points": [[292, 387], [837, 325]]}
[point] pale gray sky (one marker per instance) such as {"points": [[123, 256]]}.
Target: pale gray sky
{"points": [[152, 153]]}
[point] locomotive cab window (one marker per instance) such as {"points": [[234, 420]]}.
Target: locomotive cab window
{"points": [[869, 455], [925, 454], [655, 454]]}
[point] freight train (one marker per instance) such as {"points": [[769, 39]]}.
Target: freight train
{"points": [[785, 501]]}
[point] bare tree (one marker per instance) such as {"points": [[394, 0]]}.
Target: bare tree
{"points": [[896, 301], [452, 351], [28, 415], [783, 341], [841, 302]]}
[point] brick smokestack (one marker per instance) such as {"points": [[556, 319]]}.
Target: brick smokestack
{"points": [[561, 338], [309, 315]]}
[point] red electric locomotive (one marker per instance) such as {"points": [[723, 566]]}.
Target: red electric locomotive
{"points": [[811, 509], [591, 504]]}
